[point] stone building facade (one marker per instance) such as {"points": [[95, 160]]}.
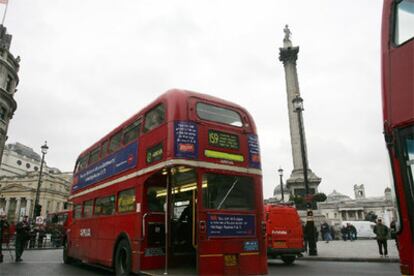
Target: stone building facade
{"points": [[19, 176], [9, 67], [339, 207]]}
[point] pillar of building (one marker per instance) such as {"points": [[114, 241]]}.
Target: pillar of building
{"points": [[28, 207], [17, 211], [288, 54], [6, 208]]}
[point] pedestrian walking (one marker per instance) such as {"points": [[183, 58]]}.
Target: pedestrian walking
{"points": [[333, 231], [22, 236], [4, 226], [344, 233], [382, 232], [326, 232]]}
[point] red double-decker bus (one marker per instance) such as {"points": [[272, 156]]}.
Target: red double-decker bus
{"points": [[177, 186], [398, 113]]}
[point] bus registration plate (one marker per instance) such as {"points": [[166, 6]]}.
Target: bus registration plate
{"points": [[279, 244], [230, 260]]}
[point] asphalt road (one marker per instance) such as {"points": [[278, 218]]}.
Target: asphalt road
{"points": [[48, 262]]}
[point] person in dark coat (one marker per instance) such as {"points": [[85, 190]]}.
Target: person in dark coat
{"points": [[22, 236], [382, 235], [4, 226], [344, 233], [309, 231]]}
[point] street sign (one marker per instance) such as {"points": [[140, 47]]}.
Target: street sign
{"points": [[39, 220]]}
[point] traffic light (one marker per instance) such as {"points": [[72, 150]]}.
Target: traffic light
{"points": [[37, 210]]}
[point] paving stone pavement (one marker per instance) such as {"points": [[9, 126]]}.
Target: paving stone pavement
{"points": [[359, 250]]}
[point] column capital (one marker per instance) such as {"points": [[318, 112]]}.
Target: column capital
{"points": [[288, 55]]}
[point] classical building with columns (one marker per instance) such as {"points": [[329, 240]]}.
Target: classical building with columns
{"points": [[339, 207], [19, 176]]}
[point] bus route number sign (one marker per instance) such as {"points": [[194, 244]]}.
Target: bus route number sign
{"points": [[223, 140]]}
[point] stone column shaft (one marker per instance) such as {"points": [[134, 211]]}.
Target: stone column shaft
{"points": [[289, 56], [17, 212]]}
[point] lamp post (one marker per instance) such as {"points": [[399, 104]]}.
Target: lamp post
{"points": [[280, 171], [310, 226], [36, 206]]}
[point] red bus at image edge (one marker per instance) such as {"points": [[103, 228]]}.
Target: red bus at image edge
{"points": [[397, 57]]}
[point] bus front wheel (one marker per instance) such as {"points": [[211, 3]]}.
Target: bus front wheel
{"points": [[123, 258]]}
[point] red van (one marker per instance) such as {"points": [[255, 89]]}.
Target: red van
{"points": [[284, 233]]}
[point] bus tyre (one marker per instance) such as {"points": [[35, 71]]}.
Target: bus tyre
{"points": [[288, 259], [66, 258], [123, 258]]}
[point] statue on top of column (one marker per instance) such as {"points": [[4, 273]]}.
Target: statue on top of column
{"points": [[286, 39]]}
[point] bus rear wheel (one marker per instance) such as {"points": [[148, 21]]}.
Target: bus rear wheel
{"points": [[288, 259], [66, 258], [123, 258]]}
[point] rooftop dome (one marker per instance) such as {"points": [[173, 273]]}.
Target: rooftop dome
{"points": [[335, 196]]}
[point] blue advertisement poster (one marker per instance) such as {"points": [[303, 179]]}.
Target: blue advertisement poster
{"points": [[254, 151], [186, 139], [224, 225], [118, 162]]}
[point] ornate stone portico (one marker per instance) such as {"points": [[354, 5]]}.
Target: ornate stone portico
{"points": [[17, 194], [19, 176]]}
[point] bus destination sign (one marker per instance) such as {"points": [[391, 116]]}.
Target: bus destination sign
{"points": [[224, 225], [223, 140]]}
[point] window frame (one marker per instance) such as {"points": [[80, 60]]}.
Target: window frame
{"points": [[206, 205], [119, 197], [118, 143], [395, 26], [101, 213], [75, 214], [152, 112], [94, 152], [129, 128], [209, 104], [84, 215]]}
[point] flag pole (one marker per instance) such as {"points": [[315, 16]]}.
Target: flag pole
{"points": [[4, 14]]}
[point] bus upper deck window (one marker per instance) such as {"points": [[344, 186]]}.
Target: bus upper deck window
{"points": [[94, 156], [131, 132], [154, 117], [218, 114], [404, 22], [115, 142]]}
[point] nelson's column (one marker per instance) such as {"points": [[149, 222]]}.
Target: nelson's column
{"points": [[9, 66], [296, 184]]}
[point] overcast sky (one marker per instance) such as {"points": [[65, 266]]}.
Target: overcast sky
{"points": [[87, 65]]}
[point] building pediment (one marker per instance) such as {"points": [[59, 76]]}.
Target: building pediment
{"points": [[16, 188]]}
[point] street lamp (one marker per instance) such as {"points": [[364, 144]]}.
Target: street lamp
{"points": [[280, 170], [310, 225], [37, 206]]}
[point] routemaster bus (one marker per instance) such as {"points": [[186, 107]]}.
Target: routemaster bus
{"points": [[398, 113], [178, 186]]}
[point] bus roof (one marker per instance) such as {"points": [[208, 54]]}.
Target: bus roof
{"points": [[173, 97]]}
